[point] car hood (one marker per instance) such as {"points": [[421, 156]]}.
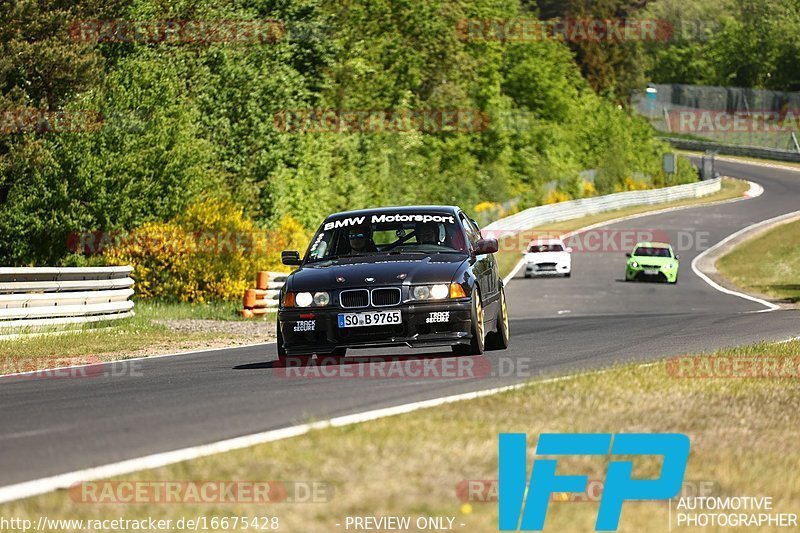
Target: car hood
{"points": [[439, 268], [546, 257], [657, 261]]}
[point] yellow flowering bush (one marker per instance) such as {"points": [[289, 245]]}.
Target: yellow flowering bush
{"points": [[555, 196], [212, 251], [636, 185], [485, 206]]}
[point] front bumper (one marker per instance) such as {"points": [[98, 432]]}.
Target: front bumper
{"points": [[662, 274], [547, 269], [416, 329]]}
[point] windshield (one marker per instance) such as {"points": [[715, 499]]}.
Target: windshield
{"points": [[643, 251], [546, 248], [423, 233]]}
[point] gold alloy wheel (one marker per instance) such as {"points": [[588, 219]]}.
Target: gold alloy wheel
{"points": [[479, 318], [505, 314]]}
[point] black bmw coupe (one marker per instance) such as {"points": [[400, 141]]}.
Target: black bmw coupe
{"points": [[394, 276]]}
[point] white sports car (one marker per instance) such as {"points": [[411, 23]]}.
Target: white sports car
{"points": [[548, 257]]}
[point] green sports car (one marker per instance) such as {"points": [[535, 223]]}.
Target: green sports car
{"points": [[654, 261]]}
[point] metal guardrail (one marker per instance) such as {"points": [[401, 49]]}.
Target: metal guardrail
{"points": [[728, 149], [547, 214], [32, 297]]}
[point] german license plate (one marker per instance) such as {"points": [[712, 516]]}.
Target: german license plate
{"points": [[370, 318], [650, 272]]}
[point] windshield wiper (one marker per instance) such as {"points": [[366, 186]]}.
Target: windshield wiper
{"points": [[335, 257], [401, 252]]}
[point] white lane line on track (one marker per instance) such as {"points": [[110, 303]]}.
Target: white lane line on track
{"points": [[36, 487], [119, 361], [40, 486], [714, 285], [62, 481], [755, 190]]}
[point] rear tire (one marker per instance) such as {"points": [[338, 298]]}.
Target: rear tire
{"points": [[476, 346], [568, 274], [498, 340]]}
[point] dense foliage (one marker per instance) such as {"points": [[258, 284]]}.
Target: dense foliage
{"points": [[184, 123], [738, 43]]}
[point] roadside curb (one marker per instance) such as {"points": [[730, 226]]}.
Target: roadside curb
{"points": [[705, 264]]}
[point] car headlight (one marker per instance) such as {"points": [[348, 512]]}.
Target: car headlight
{"points": [[306, 299], [303, 299], [439, 291], [422, 292], [634, 264]]}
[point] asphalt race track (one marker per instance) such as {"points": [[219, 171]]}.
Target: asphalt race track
{"points": [[593, 319]]}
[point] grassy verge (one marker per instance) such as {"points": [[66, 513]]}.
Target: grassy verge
{"points": [[744, 434], [731, 188], [145, 334], [768, 264], [183, 311]]}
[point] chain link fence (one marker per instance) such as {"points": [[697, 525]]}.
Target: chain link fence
{"points": [[733, 116]]}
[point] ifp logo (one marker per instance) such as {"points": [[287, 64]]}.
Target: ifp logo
{"points": [[619, 485]]}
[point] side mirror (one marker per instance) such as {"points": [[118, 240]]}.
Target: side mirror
{"points": [[569, 250], [677, 256], [486, 246], [290, 257], [628, 254]]}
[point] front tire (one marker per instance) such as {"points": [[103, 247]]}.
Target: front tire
{"points": [[476, 346], [289, 360], [498, 340]]}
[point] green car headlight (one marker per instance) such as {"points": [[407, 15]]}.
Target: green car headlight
{"points": [[634, 264]]}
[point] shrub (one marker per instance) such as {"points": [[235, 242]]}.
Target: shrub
{"points": [[212, 251]]}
